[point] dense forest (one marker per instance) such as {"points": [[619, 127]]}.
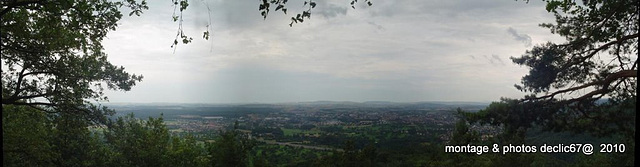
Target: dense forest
{"points": [[34, 138]]}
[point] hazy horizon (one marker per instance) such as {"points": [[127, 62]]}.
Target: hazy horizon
{"points": [[318, 101]]}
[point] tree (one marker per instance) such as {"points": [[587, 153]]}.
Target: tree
{"points": [[462, 134], [368, 155], [54, 57], [231, 149], [593, 74], [185, 151], [33, 138], [586, 84], [26, 135], [349, 155], [136, 142], [143, 143], [77, 144]]}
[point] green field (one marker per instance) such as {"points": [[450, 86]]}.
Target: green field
{"points": [[291, 132]]}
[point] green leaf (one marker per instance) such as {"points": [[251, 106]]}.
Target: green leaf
{"points": [[205, 35], [553, 5]]}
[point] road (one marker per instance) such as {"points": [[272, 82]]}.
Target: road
{"points": [[299, 145]]}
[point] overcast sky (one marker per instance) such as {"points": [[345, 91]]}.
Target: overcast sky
{"points": [[401, 51]]}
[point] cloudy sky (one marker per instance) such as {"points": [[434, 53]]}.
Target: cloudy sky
{"points": [[401, 51]]}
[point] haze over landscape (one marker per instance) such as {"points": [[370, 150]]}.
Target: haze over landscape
{"points": [[405, 51]]}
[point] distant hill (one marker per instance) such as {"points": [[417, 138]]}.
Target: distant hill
{"points": [[143, 110]]}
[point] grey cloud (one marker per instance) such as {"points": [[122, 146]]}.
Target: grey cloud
{"points": [[441, 9], [497, 58], [328, 10], [378, 26], [494, 59], [524, 38], [240, 14]]}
